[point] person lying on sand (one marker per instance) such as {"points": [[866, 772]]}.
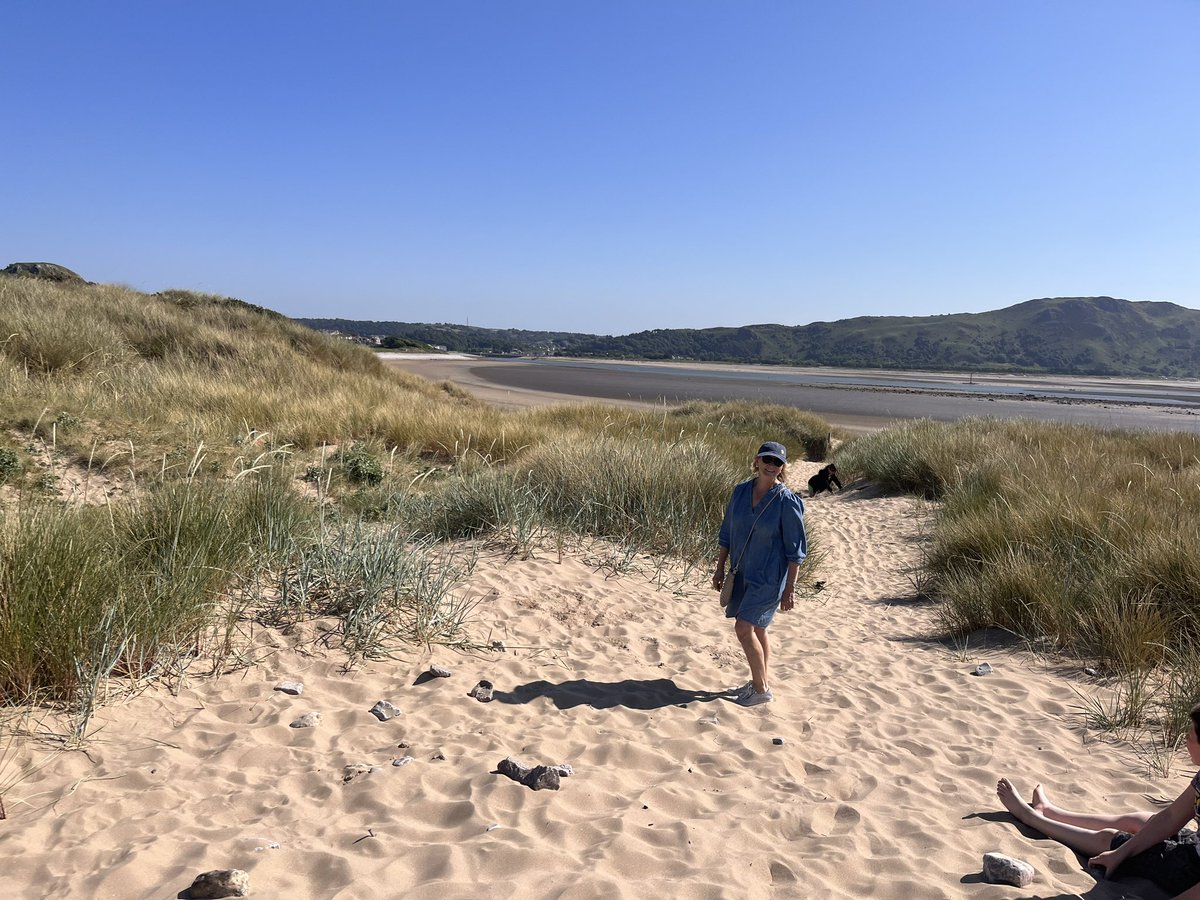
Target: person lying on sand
{"points": [[1149, 845]]}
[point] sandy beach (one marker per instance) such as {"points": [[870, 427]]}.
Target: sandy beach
{"points": [[871, 775]]}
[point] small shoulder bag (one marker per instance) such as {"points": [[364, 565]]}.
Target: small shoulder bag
{"points": [[735, 568]]}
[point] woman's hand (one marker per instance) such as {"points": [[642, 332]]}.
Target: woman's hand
{"points": [[718, 579], [788, 600]]}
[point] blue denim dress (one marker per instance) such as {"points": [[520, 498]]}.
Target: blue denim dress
{"points": [[777, 539]]}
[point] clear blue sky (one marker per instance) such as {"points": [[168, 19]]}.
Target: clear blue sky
{"points": [[608, 166]]}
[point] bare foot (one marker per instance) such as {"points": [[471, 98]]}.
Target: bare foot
{"points": [[1012, 801], [1040, 801]]}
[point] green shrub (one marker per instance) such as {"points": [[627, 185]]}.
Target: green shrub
{"points": [[64, 420], [361, 466], [10, 464]]}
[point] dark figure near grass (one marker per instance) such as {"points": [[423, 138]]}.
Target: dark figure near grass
{"points": [[824, 480]]}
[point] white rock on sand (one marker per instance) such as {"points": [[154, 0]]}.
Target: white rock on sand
{"points": [[883, 786]]}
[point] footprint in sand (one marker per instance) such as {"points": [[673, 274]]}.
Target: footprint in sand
{"points": [[781, 874], [832, 822], [916, 749]]}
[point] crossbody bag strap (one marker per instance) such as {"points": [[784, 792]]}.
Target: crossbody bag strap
{"points": [[746, 544]]}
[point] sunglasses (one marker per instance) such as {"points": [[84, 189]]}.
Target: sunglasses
{"points": [[772, 461]]}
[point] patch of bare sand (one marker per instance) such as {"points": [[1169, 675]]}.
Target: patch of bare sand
{"points": [[883, 787]]}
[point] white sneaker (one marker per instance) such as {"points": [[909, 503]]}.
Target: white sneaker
{"points": [[741, 690], [754, 698]]}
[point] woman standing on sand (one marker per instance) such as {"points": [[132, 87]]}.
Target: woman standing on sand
{"points": [[764, 524], [1147, 845]]}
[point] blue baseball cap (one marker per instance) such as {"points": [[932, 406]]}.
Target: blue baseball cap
{"points": [[772, 448]]}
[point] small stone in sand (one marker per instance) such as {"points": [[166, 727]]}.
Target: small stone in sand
{"points": [[1001, 869], [492, 827], [499, 646], [295, 688], [384, 710], [308, 720], [439, 672], [220, 883], [402, 761], [438, 754], [403, 745], [778, 742], [481, 692], [982, 669], [349, 773]]}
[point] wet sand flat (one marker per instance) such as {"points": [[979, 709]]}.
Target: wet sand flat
{"points": [[858, 400]]}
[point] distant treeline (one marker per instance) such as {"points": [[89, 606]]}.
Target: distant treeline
{"points": [[1061, 335], [457, 338]]}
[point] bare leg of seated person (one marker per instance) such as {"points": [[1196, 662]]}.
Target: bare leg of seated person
{"points": [[1088, 841], [1131, 822]]}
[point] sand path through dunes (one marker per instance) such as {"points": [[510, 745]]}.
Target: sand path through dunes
{"points": [[883, 786]]}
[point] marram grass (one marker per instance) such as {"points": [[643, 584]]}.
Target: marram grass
{"points": [[1080, 539]]}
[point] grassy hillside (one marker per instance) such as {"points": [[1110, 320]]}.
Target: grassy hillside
{"points": [[106, 373], [1064, 335]]}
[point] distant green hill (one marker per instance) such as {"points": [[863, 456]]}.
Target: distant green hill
{"points": [[1063, 335]]}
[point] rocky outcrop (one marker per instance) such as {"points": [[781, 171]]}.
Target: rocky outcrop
{"points": [[44, 270]]}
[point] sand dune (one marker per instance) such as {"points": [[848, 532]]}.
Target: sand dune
{"points": [[883, 786]]}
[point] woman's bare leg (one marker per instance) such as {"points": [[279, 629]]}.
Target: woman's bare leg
{"points": [[753, 649], [1131, 822], [761, 635], [1090, 842]]}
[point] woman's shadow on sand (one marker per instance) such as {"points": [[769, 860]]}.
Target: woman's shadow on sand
{"points": [[631, 693]]}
